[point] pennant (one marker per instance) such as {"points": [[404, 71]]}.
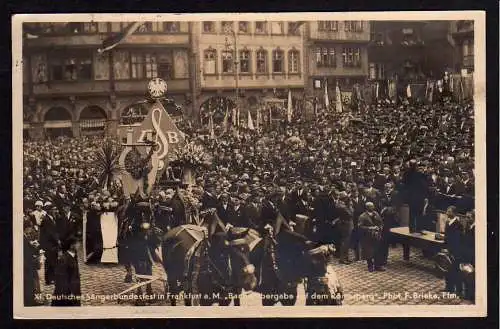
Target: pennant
{"points": [[289, 109], [408, 91], [259, 118], [250, 122], [118, 38], [327, 101], [211, 127], [226, 118], [157, 128], [338, 104]]}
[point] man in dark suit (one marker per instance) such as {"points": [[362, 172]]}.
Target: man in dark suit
{"points": [[235, 212], [468, 254], [344, 213], [358, 204], [49, 242], [453, 239], [67, 222], [415, 186], [322, 215], [178, 210], [250, 211], [67, 290], [223, 207], [209, 198]]}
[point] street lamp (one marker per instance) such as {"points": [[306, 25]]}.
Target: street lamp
{"points": [[231, 32]]}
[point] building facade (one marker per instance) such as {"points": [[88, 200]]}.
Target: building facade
{"points": [[245, 62], [70, 88], [463, 34], [411, 50], [337, 52]]}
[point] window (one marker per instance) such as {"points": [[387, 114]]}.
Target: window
{"points": [[137, 64], [243, 27], [210, 56], [351, 57], [245, 61], [227, 27], [353, 26], [71, 69], [277, 28], [376, 71], [293, 61], [208, 27], [90, 27], [260, 27], [261, 61], [227, 62], [165, 67], [328, 26], [325, 57], [171, 27], [278, 61], [293, 28], [151, 66]]}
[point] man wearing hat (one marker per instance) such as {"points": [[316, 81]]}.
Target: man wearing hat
{"points": [[371, 226], [344, 213], [49, 241], [415, 189], [67, 291]]}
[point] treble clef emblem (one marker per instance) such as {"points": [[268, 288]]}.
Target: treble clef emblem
{"points": [[163, 145]]}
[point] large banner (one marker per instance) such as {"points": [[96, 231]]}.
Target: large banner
{"points": [[149, 144]]}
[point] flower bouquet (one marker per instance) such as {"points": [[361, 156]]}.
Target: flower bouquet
{"points": [[190, 157]]}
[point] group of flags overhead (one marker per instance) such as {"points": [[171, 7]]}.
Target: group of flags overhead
{"points": [[338, 98]]}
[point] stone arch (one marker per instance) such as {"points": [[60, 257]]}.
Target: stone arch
{"points": [[92, 112], [57, 113], [92, 120]]}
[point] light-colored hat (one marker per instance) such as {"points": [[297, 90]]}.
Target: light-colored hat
{"points": [[39, 204]]}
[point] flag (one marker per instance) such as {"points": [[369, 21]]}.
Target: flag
{"points": [[294, 26], [211, 127], [118, 38], [338, 101], [259, 118], [233, 115], [327, 101], [408, 91], [289, 109], [377, 86], [167, 136], [451, 83], [226, 118], [250, 122]]}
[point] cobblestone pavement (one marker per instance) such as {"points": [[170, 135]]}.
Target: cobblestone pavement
{"points": [[411, 282]]}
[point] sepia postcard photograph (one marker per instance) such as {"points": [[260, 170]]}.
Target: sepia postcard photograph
{"points": [[249, 165]]}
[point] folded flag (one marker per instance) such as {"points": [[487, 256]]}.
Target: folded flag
{"points": [[118, 38]]}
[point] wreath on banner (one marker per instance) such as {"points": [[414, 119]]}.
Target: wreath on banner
{"points": [[134, 164]]}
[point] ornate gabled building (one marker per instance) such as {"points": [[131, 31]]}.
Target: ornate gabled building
{"points": [[244, 63], [70, 88]]}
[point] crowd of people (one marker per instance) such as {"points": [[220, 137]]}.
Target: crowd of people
{"points": [[339, 178]]}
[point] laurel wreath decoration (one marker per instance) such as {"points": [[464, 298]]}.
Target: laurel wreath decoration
{"points": [[137, 166]]}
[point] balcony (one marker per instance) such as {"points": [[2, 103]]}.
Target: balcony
{"points": [[71, 88], [95, 40], [135, 86], [340, 35]]}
